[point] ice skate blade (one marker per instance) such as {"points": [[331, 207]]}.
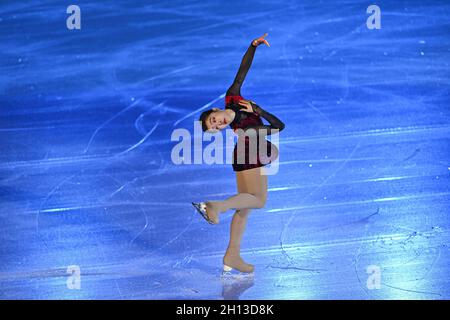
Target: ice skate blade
{"points": [[227, 268], [228, 272], [201, 209]]}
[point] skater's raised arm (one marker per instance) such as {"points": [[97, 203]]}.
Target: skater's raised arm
{"points": [[275, 124], [247, 59]]}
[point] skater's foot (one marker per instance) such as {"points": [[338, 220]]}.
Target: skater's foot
{"points": [[201, 209], [213, 211], [236, 262]]}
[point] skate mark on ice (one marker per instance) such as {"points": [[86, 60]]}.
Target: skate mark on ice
{"points": [[362, 220], [144, 214], [44, 201], [356, 260], [412, 291], [286, 226], [108, 121], [138, 143], [297, 269], [199, 109]]}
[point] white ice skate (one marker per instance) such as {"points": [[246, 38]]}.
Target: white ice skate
{"points": [[232, 273], [201, 208]]}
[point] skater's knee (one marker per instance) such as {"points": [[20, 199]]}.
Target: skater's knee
{"points": [[260, 202], [263, 200], [243, 212], [263, 203]]}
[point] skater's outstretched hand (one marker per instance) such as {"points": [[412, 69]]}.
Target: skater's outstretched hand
{"points": [[260, 40]]}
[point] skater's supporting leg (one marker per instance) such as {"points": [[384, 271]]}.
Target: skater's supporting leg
{"points": [[232, 257], [235, 88], [237, 230]]}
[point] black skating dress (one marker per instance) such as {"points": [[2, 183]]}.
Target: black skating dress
{"points": [[246, 120]]}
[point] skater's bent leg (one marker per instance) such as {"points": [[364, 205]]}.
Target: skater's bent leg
{"points": [[241, 201], [253, 194], [247, 59]]}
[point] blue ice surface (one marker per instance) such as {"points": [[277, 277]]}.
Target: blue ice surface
{"points": [[87, 179]]}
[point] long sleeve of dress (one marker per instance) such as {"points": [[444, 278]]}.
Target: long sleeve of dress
{"points": [[235, 88], [275, 124]]}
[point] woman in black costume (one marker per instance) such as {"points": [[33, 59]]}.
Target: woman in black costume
{"points": [[244, 117]]}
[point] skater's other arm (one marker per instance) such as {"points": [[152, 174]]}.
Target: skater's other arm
{"points": [[275, 124], [235, 88]]}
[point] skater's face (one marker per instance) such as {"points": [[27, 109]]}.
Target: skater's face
{"points": [[218, 120]]}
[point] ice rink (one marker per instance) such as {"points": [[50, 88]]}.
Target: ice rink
{"points": [[87, 182]]}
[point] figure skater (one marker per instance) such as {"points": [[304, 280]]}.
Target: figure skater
{"points": [[244, 116]]}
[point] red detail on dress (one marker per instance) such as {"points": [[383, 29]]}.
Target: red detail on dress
{"points": [[232, 99]]}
